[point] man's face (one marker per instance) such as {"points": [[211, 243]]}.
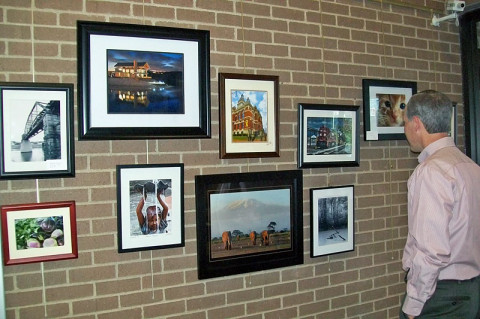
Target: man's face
{"points": [[411, 133]]}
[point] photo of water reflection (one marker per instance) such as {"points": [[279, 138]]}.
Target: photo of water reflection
{"points": [[142, 82]]}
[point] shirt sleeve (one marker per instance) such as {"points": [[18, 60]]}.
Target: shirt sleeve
{"points": [[431, 211]]}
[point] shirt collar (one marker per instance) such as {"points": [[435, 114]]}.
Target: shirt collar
{"points": [[435, 146]]}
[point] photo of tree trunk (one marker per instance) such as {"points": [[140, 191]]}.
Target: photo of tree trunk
{"points": [[332, 220]]}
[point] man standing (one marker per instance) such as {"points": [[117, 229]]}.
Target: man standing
{"points": [[442, 253]]}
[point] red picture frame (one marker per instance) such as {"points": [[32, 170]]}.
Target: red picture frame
{"points": [[38, 232]]}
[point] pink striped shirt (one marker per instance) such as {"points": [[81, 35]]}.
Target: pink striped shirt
{"points": [[443, 222]]}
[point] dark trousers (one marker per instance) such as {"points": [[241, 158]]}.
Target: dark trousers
{"points": [[452, 299]]}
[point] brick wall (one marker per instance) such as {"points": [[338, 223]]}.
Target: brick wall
{"points": [[321, 51]]}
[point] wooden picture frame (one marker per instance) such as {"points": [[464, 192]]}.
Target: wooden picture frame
{"points": [[3, 313], [39, 232], [332, 226], [160, 230], [383, 105], [142, 82], [248, 222], [36, 130], [328, 135], [249, 108]]}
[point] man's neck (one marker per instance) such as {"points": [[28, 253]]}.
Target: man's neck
{"points": [[430, 138]]}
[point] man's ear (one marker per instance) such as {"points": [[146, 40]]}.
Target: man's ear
{"points": [[417, 123]]}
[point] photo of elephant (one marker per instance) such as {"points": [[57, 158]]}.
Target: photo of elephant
{"points": [[227, 240], [253, 237], [253, 222]]}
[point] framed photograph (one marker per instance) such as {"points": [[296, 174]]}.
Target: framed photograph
{"points": [[142, 82], [384, 102], [36, 130], [328, 135], [3, 313], [248, 222], [150, 207], [39, 232], [249, 123], [332, 225], [453, 125]]}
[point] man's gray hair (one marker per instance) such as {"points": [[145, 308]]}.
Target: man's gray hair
{"points": [[434, 110]]}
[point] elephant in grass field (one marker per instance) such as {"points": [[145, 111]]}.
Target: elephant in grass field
{"points": [[265, 238], [253, 237], [227, 240]]}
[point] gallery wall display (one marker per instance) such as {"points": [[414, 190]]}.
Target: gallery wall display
{"points": [[332, 220], [328, 135], [36, 130], [384, 102], [39, 232], [150, 207], [248, 222], [142, 82], [249, 123]]}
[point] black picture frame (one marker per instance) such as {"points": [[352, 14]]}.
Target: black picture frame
{"points": [[267, 203], [332, 225], [135, 181], [36, 130], [470, 58], [249, 109], [328, 135], [385, 124], [163, 93], [453, 123]]}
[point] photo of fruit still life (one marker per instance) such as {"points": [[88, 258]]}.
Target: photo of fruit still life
{"points": [[39, 232]]}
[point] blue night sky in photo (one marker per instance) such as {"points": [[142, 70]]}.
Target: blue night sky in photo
{"points": [[257, 98], [158, 61]]}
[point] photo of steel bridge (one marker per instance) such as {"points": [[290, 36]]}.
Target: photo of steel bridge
{"points": [[40, 139]]}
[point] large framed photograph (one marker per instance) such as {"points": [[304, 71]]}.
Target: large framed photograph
{"points": [[36, 130], [249, 124], [328, 135], [142, 82], [248, 222], [332, 225], [150, 207], [384, 102], [39, 232]]}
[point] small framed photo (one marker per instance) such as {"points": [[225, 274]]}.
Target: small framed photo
{"points": [[248, 222], [453, 126], [150, 207], [39, 232], [36, 130], [332, 224], [328, 135], [142, 82], [249, 124], [384, 102]]}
